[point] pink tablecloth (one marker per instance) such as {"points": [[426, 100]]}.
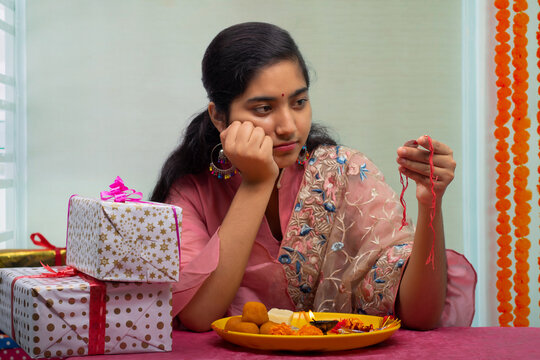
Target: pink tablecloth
{"points": [[444, 343]]}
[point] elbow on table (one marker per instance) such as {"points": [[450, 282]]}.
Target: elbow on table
{"points": [[195, 323], [419, 325], [420, 313], [421, 322]]}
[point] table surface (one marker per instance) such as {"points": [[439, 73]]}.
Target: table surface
{"points": [[442, 343]]}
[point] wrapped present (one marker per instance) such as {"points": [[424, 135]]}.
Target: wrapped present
{"points": [[48, 254], [58, 312], [7, 343], [15, 354], [121, 238]]}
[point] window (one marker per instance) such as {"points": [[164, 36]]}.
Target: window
{"points": [[12, 126]]}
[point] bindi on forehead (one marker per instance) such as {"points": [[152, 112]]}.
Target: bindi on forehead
{"points": [[282, 94]]}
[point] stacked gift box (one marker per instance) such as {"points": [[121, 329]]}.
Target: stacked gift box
{"points": [[14, 354], [115, 294], [10, 350], [44, 253]]}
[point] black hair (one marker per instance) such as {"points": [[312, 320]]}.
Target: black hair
{"points": [[231, 60]]}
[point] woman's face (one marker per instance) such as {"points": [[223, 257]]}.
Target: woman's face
{"points": [[277, 100]]}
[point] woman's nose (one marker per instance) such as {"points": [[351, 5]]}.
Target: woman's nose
{"points": [[285, 122]]}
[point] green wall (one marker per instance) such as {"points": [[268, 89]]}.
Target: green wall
{"points": [[111, 84]]}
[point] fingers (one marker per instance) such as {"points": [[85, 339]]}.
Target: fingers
{"points": [[249, 137], [443, 170], [416, 160], [411, 143], [423, 174], [249, 149], [419, 161], [267, 144], [438, 147], [244, 144], [242, 137], [411, 150]]}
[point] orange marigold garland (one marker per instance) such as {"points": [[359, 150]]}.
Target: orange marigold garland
{"points": [[520, 148], [538, 117], [502, 70]]}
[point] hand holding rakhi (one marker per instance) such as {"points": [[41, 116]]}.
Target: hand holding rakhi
{"points": [[419, 159]]}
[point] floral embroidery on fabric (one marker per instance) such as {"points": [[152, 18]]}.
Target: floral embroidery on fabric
{"points": [[376, 290], [342, 251], [355, 169], [363, 171], [317, 200]]}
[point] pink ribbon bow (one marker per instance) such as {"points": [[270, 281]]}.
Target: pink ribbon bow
{"points": [[120, 192]]}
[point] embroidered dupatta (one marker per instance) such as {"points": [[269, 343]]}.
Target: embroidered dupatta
{"points": [[343, 250]]}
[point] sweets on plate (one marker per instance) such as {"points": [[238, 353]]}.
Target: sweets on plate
{"points": [[245, 327], [255, 312], [286, 322], [236, 324], [309, 330], [256, 319], [280, 315], [267, 327], [230, 324], [282, 329]]}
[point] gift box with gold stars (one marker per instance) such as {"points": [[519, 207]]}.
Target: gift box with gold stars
{"points": [[124, 241]]}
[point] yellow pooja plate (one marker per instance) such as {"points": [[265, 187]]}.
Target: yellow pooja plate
{"points": [[310, 342]]}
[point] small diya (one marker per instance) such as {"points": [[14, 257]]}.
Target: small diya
{"points": [[323, 325]]}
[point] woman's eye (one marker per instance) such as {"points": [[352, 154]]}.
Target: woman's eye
{"points": [[300, 103], [263, 109]]}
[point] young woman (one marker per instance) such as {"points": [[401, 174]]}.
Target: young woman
{"points": [[275, 211]]}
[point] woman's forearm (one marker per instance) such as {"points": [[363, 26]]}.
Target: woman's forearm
{"points": [[422, 290], [237, 234]]}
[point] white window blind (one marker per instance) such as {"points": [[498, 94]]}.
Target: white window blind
{"points": [[12, 126]]}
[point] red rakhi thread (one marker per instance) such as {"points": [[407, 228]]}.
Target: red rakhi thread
{"points": [[432, 179], [404, 185]]}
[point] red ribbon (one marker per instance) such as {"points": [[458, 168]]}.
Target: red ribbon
{"points": [[43, 242], [96, 335], [96, 328]]}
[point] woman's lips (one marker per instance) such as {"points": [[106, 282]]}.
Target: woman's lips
{"points": [[285, 147]]}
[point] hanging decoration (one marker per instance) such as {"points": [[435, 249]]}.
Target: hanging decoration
{"points": [[538, 119], [520, 148], [502, 70]]}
